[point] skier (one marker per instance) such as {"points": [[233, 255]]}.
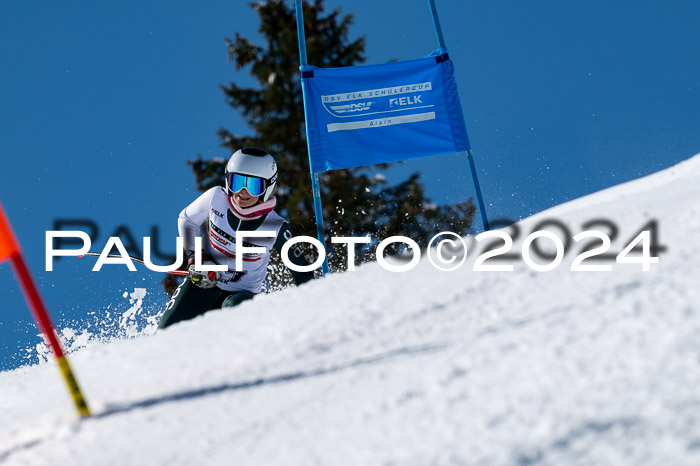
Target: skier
{"points": [[246, 203]]}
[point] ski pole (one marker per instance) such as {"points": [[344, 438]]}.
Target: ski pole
{"points": [[136, 259]]}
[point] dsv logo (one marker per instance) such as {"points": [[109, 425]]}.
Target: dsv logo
{"points": [[351, 108]]}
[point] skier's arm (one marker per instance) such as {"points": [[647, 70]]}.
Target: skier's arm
{"points": [[296, 255], [192, 217]]}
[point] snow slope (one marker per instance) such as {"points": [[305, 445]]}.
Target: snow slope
{"points": [[423, 367]]}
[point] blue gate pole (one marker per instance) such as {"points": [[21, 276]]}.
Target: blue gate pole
{"points": [[436, 23], [477, 190], [314, 176], [468, 153]]}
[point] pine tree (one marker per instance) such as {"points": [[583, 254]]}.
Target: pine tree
{"points": [[354, 202]]}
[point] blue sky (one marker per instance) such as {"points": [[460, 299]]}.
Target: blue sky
{"points": [[102, 104]]}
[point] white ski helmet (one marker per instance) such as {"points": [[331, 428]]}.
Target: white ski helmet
{"points": [[254, 169]]}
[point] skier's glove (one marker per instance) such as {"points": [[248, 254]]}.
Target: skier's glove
{"points": [[202, 279]]}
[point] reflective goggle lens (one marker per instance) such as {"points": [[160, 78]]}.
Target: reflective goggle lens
{"points": [[254, 185]]}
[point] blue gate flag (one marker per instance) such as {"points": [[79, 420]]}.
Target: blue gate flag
{"points": [[370, 114]]}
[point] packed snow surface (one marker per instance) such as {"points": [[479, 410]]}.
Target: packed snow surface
{"points": [[422, 367]]}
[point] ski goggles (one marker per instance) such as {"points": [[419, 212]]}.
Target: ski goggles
{"points": [[253, 184]]}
